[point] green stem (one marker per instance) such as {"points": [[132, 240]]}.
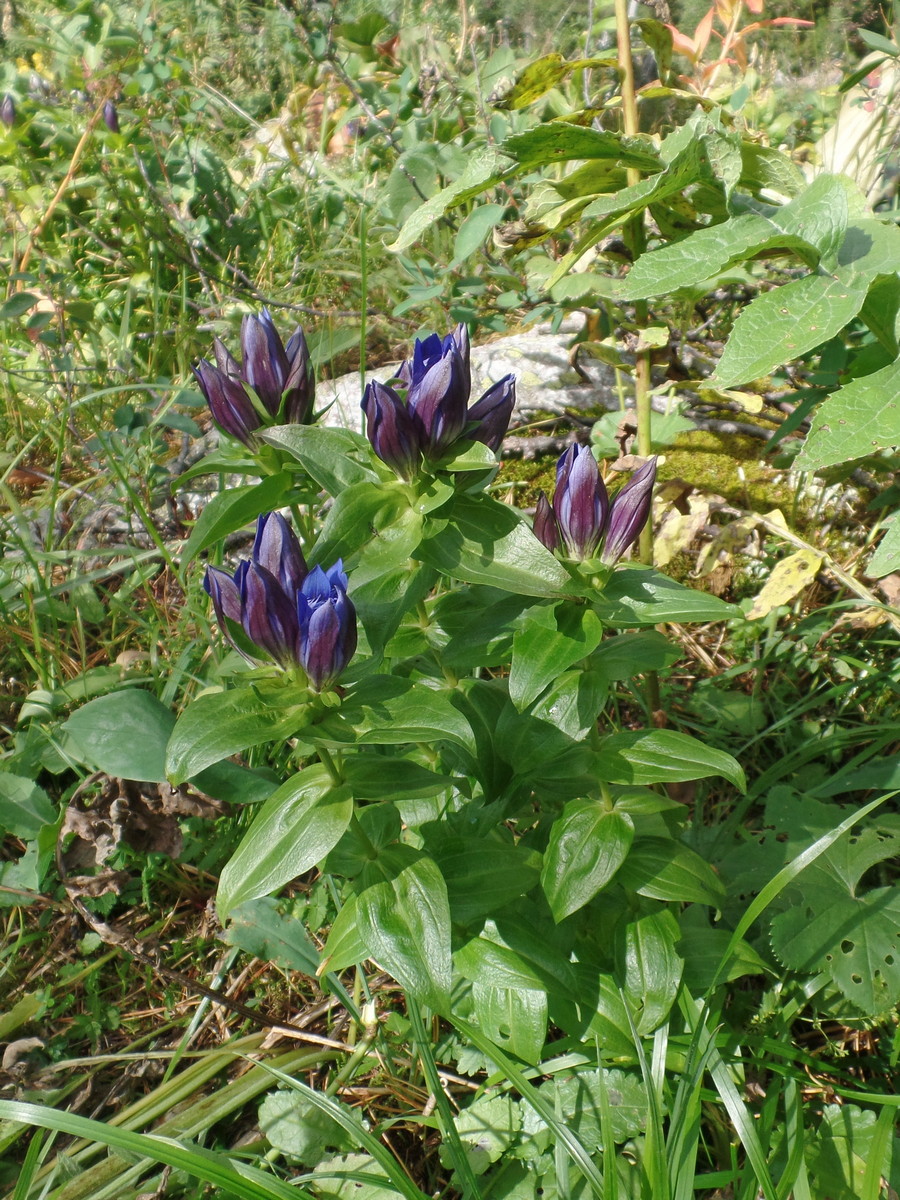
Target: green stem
{"points": [[331, 765]]}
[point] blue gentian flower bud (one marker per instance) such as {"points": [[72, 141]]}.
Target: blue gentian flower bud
{"points": [[110, 117], [580, 502], [327, 625], [231, 407], [628, 513], [492, 413], [8, 111], [427, 411], [392, 429], [298, 617]]}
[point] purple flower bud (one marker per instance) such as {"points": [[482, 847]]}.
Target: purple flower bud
{"points": [[327, 624], [628, 513], [580, 502], [300, 618], [8, 111], [231, 407], [492, 413], [439, 395], [300, 385], [265, 365], [110, 117], [392, 429], [546, 529]]}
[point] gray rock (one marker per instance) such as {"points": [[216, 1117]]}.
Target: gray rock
{"points": [[546, 380]]}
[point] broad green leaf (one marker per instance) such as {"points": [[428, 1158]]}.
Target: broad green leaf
{"points": [[25, 808], [233, 509], [651, 967], [860, 418], [640, 596], [663, 869], [385, 710], [515, 952], [483, 874], [17, 305], [686, 168], [484, 168], [588, 844], [595, 1009], [387, 777], [358, 515], [663, 756], [515, 1019], [770, 170], [559, 141], [296, 1126], [549, 640], [335, 458], [344, 946], [572, 703], [403, 918], [871, 245], [702, 254], [487, 542], [578, 1098], [473, 626], [258, 928], [780, 325], [881, 312], [124, 734], [294, 829], [474, 229], [819, 215], [625, 655], [220, 724]]}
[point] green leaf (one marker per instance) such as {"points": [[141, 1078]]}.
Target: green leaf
{"points": [[403, 918], [294, 830], [385, 710], [861, 418], [296, 1126], [484, 168], [344, 946], [559, 141], [578, 1100], [663, 756], [17, 305], [514, 1018], [232, 510], [514, 952], [482, 874], [487, 542], [474, 229], [549, 640], [640, 596], [25, 808], [651, 967], [258, 928], [703, 254], [473, 626], [124, 734], [628, 654], [871, 245], [588, 844], [220, 724], [359, 513], [819, 214], [663, 869], [781, 325], [334, 458], [382, 777]]}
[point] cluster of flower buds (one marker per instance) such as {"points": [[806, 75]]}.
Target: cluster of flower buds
{"points": [[280, 378], [424, 409], [297, 616], [582, 523], [8, 111]]}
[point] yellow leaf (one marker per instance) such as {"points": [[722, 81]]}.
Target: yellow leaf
{"points": [[788, 579]]}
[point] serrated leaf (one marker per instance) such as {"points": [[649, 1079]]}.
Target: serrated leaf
{"points": [[780, 325], [853, 939], [860, 418], [702, 254], [788, 579], [559, 141], [484, 168]]}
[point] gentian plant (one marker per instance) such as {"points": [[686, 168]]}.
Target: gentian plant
{"points": [[496, 843]]}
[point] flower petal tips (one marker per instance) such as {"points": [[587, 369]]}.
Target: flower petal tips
{"points": [[628, 513]]}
